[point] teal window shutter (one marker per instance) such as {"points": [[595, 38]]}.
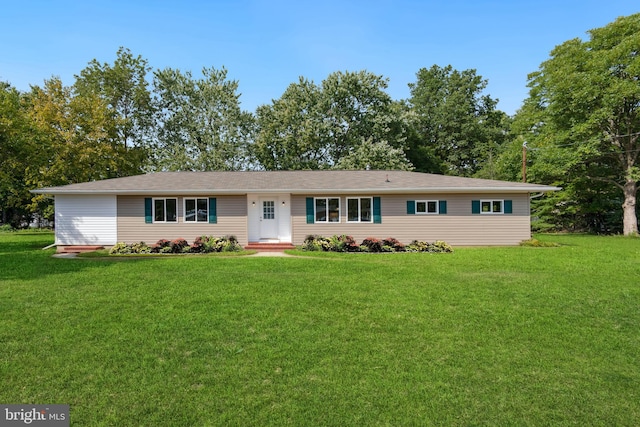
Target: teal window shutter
{"points": [[475, 206], [310, 213], [508, 206], [148, 214], [411, 207], [442, 207], [377, 217], [213, 210]]}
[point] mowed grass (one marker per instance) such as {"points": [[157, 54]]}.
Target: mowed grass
{"points": [[483, 336]]}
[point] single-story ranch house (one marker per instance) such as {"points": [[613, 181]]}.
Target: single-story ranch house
{"points": [[286, 206]]}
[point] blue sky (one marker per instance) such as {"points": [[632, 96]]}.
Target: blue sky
{"points": [[267, 45]]}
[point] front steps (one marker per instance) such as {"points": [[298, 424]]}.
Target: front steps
{"points": [[67, 249], [269, 246]]}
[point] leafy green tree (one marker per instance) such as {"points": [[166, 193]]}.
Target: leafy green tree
{"points": [[16, 150], [291, 130], [584, 106], [356, 107], [73, 137], [125, 89], [314, 126], [370, 155], [455, 119], [200, 125]]}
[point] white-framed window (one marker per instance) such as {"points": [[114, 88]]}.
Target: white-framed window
{"points": [[196, 210], [360, 209], [425, 207], [165, 210], [327, 209], [491, 206]]}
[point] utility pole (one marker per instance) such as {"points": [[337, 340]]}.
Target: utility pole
{"points": [[524, 161]]}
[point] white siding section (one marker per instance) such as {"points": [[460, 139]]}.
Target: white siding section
{"points": [[86, 220]]}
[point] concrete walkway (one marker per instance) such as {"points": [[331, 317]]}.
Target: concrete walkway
{"points": [[271, 253]]}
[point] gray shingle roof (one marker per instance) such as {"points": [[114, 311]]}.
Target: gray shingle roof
{"points": [[294, 182]]}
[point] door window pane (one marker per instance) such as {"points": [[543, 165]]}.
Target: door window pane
{"points": [[268, 209]]}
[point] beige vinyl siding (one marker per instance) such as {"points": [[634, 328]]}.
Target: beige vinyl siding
{"points": [[458, 227], [231, 212]]}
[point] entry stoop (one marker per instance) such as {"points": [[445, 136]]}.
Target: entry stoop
{"points": [[77, 249], [269, 246]]}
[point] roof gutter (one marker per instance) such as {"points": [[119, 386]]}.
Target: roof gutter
{"points": [[187, 192]]}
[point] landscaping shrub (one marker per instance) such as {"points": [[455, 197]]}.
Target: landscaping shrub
{"points": [[6, 228], [436, 247], [350, 244], [202, 244], [134, 248], [198, 245], [179, 246], [344, 243], [440, 246], [140, 248], [393, 244], [314, 242], [230, 244], [162, 246], [335, 243], [120, 248], [371, 244], [208, 244]]}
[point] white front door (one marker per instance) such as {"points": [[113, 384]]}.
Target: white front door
{"points": [[268, 219]]}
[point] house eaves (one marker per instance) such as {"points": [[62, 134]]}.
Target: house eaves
{"points": [[292, 182]]}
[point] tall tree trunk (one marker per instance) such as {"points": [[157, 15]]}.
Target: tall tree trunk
{"points": [[630, 219]]}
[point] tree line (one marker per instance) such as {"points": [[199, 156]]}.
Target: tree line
{"points": [[580, 124]]}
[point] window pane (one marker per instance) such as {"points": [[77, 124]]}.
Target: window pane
{"points": [[497, 206], [172, 210], [421, 207], [158, 210], [352, 210], [268, 209], [321, 210], [365, 210], [334, 210], [432, 207], [203, 210], [486, 206], [189, 210]]}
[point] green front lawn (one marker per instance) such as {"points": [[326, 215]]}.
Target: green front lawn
{"points": [[483, 336]]}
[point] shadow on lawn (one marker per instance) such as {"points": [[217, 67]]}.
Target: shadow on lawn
{"points": [[22, 258]]}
